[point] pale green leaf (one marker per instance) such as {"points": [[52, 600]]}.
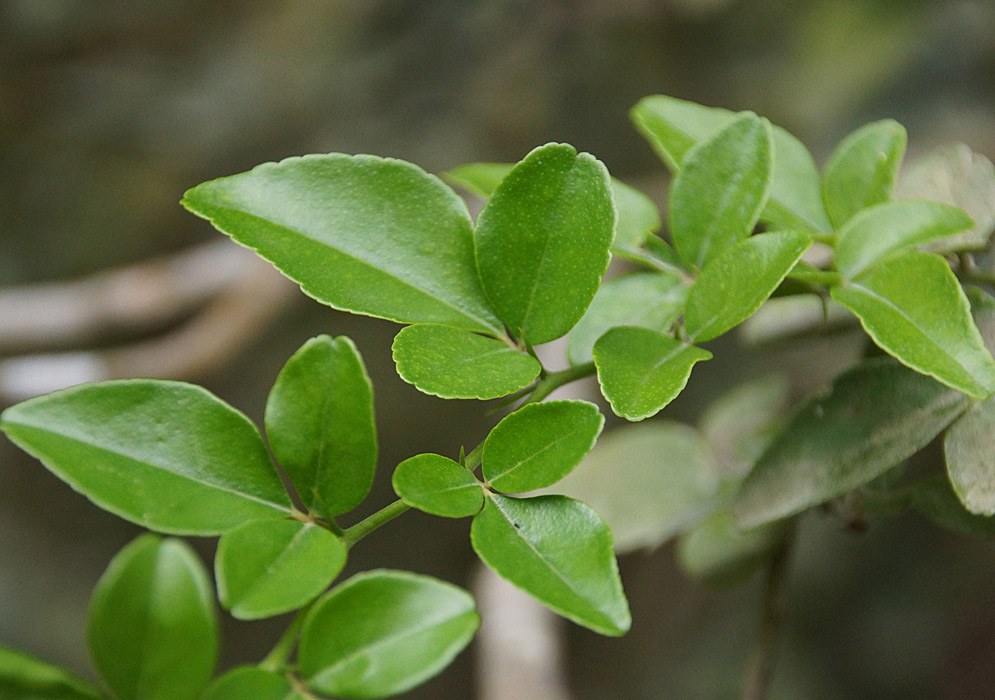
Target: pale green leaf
{"points": [[166, 455], [969, 446], [557, 550], [914, 308], [935, 498], [862, 170], [720, 554], [383, 632], [479, 178], [24, 677], [457, 364], [438, 485], [673, 126], [542, 241], [250, 683], [364, 234]]}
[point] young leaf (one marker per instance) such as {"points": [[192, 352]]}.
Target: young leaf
{"points": [[369, 235], [267, 567], [876, 415], [24, 677], [542, 241], [720, 554], [641, 370], [383, 632], [673, 126], [647, 481], [722, 186], [438, 485], [914, 308], [739, 280], [862, 170], [934, 498], [151, 629], [166, 455], [455, 364], [645, 299], [250, 683], [892, 227], [319, 421], [557, 550], [539, 444], [969, 447]]}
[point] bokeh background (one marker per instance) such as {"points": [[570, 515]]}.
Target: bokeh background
{"points": [[109, 110]]}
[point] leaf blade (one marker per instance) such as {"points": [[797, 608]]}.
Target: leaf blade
{"points": [[23, 677], [438, 485]]}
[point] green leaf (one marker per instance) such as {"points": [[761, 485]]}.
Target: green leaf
{"points": [[954, 175], [539, 444], [969, 446], [24, 677], [438, 485], [267, 567], [542, 241], [862, 170], [934, 498], [166, 455], [883, 230], [646, 299], [557, 550], [369, 235], [716, 198], [383, 632], [914, 308], [673, 126], [648, 482], [641, 371], [720, 554], [875, 415], [739, 280], [250, 683], [479, 178], [151, 629], [455, 364], [319, 421]]}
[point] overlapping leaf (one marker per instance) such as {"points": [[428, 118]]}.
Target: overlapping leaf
{"points": [[24, 677], [969, 446], [438, 485], [250, 683]]}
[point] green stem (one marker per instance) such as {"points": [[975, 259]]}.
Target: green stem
{"points": [[760, 673], [352, 535], [827, 238], [276, 660], [553, 381]]}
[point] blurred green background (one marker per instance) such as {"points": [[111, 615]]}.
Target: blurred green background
{"points": [[109, 110]]}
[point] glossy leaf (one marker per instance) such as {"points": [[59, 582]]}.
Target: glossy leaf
{"points": [[914, 308], [648, 481], [862, 170], [320, 425], [250, 683], [268, 567], [383, 632], [739, 280], [539, 444], [935, 498], [723, 184], [557, 550], [969, 446], [646, 299], [641, 371], [456, 364], [166, 455], [720, 554], [542, 241], [893, 227], [438, 485], [24, 677], [151, 628], [876, 415], [370, 235]]}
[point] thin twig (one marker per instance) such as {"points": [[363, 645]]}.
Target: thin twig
{"points": [[760, 673]]}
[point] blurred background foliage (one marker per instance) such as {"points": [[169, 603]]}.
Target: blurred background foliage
{"points": [[109, 110]]}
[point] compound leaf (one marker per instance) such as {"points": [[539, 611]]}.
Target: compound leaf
{"points": [[862, 170], [166, 455], [250, 683], [23, 677], [438, 485], [557, 550], [969, 446]]}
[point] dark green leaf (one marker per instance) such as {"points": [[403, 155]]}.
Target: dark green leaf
{"points": [[914, 308], [722, 186], [369, 235], [438, 485], [250, 683], [24, 677], [456, 364], [720, 554], [876, 415], [151, 629], [934, 498], [645, 299], [539, 444], [543, 240], [383, 632], [739, 280], [319, 421], [969, 446], [862, 170], [557, 550], [641, 371], [267, 567], [166, 455]]}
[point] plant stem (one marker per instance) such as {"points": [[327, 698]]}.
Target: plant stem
{"points": [[760, 672], [553, 381], [352, 535], [276, 660]]}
